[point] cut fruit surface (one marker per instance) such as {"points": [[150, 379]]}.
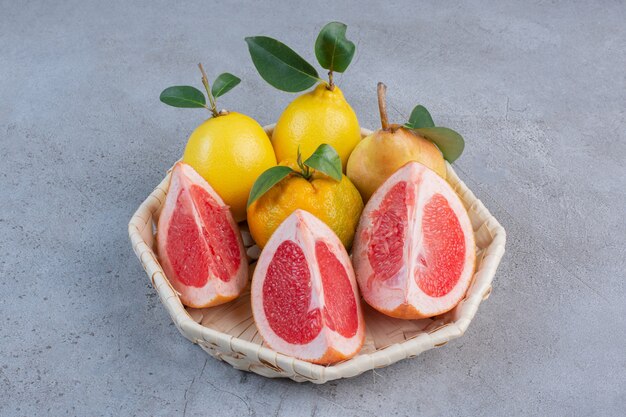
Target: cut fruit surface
{"points": [[199, 243], [304, 294], [414, 249]]}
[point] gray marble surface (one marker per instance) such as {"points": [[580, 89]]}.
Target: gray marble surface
{"points": [[537, 88]]}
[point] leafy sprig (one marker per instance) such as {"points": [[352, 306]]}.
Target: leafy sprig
{"points": [[325, 160], [449, 142], [285, 70], [190, 97]]}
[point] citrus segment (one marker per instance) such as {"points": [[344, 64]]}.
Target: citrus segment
{"points": [[340, 312], [219, 236], [287, 295], [186, 247], [199, 244], [304, 294], [386, 249], [414, 248], [443, 248]]}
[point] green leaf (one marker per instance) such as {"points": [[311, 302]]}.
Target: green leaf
{"points": [[267, 180], [223, 84], [280, 66], [333, 51], [183, 96], [326, 160], [449, 142], [420, 117]]}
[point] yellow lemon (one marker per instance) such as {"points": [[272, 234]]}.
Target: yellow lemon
{"points": [[230, 151], [336, 203], [319, 116]]}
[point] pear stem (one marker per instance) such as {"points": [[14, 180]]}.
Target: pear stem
{"points": [[205, 82], [382, 106], [331, 84]]}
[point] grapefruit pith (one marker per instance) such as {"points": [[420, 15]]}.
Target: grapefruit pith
{"points": [[199, 243], [414, 249], [304, 294]]}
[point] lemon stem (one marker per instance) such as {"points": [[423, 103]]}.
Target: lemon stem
{"points": [[382, 106], [305, 172], [331, 84], [207, 87]]}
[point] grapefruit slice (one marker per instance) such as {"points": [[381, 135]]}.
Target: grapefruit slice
{"points": [[304, 294], [199, 243], [414, 248]]}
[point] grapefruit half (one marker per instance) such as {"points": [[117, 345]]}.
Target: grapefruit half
{"points": [[304, 294], [414, 250], [199, 243]]}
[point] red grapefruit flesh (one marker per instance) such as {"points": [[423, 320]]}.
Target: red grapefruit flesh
{"points": [[199, 243], [304, 293], [287, 294], [414, 250], [339, 307]]}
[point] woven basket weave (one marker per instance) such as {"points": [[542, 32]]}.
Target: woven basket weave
{"points": [[228, 332]]}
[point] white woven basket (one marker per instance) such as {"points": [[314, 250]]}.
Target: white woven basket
{"points": [[228, 332]]}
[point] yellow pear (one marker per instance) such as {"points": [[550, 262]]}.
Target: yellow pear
{"points": [[383, 152]]}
